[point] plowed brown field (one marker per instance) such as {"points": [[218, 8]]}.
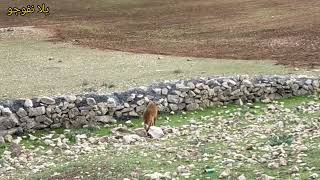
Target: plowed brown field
{"points": [[284, 30]]}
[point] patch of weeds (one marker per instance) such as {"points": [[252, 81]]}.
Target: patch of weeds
{"points": [[71, 135], [104, 84], [107, 85], [111, 86], [59, 130], [85, 83], [1, 162], [212, 148], [90, 89], [277, 140], [177, 71], [294, 101], [3, 147], [31, 144], [103, 131], [313, 161]]}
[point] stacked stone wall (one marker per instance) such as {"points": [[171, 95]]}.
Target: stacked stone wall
{"points": [[27, 115]]}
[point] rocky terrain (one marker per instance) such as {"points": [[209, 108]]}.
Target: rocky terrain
{"points": [[70, 111], [279, 140]]}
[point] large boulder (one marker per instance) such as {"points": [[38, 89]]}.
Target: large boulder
{"points": [[8, 122], [155, 132]]}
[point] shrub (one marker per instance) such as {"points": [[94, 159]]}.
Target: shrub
{"points": [[277, 140]]}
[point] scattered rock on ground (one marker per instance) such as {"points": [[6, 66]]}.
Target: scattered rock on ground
{"points": [[155, 132]]}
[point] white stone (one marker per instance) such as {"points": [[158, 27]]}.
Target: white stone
{"points": [[47, 100], [132, 138], [155, 132], [266, 177], [226, 173], [28, 103], [242, 177]]}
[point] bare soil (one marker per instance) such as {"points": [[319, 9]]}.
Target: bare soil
{"points": [[284, 30]]}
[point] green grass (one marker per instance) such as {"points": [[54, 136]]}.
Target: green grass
{"points": [[3, 147], [313, 160], [174, 120], [280, 139], [121, 166]]}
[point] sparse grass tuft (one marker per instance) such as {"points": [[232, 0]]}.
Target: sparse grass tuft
{"points": [[3, 147], [107, 85], [177, 71], [85, 82], [111, 86], [277, 140], [90, 89]]}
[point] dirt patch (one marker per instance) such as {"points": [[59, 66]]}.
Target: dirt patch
{"points": [[23, 33]]}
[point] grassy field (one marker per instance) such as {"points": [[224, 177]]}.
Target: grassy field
{"points": [[202, 148], [48, 61], [35, 67], [282, 30]]}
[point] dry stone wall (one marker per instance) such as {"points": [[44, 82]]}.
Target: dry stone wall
{"points": [[27, 115]]}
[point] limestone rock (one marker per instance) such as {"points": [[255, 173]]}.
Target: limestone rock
{"points": [[164, 91], [266, 177], [47, 100], [37, 111], [192, 106], [155, 132], [2, 141], [73, 112], [173, 99], [314, 176], [157, 176], [21, 112], [173, 107], [91, 101], [8, 138], [8, 122], [226, 173], [105, 119], [132, 138], [28, 103], [242, 177], [6, 112], [157, 90], [70, 98]]}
